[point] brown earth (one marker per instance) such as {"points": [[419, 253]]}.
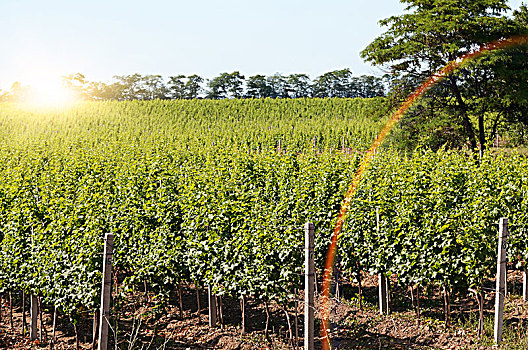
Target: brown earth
{"points": [[145, 324]]}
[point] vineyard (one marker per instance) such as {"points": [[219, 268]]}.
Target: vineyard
{"points": [[214, 193]]}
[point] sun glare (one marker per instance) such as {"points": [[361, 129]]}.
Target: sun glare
{"points": [[48, 94]]}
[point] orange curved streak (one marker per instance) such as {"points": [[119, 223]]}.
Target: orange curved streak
{"points": [[442, 73]]}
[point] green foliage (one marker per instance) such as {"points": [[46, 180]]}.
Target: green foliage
{"points": [[193, 191], [438, 217], [429, 36]]}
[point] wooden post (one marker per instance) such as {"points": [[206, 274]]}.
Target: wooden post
{"points": [[309, 233], [34, 317], [296, 319], [94, 330], [212, 307], [501, 279], [105, 292], [243, 312], [337, 276], [382, 281], [524, 284], [24, 328], [383, 298]]}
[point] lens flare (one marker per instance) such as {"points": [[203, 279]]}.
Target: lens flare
{"points": [[44, 92], [330, 257]]}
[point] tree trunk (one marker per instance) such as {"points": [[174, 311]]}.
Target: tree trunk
{"points": [[180, 300], [267, 320], [243, 311], [481, 314], [220, 306], [94, 330], [42, 327], [466, 123], [290, 332], [11, 309], [418, 302], [76, 335], [54, 339], [360, 289], [198, 302], [296, 320], [482, 135], [447, 306]]}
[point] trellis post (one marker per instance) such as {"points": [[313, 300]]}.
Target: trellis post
{"points": [[34, 316], [524, 284], [309, 324], [212, 307], [501, 279], [383, 281], [105, 292]]}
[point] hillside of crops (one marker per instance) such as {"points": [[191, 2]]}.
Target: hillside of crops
{"points": [[215, 194], [209, 192]]}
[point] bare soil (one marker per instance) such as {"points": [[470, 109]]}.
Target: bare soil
{"points": [[145, 323]]}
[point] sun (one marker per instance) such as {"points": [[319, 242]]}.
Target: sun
{"points": [[48, 93]]}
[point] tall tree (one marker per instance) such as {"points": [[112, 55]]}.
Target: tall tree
{"points": [[226, 85], [257, 87], [177, 87], [279, 86], [300, 85], [337, 83], [433, 33], [154, 88], [193, 86], [78, 84]]}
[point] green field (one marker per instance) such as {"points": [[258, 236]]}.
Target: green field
{"points": [[215, 193], [194, 191]]}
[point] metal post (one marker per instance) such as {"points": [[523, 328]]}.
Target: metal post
{"points": [[501, 279], [212, 307], [105, 292], [309, 233]]}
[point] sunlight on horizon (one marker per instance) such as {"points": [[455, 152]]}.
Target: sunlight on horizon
{"points": [[47, 93]]}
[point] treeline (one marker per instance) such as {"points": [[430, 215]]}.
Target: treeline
{"points": [[338, 83]]}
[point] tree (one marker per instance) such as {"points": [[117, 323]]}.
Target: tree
{"points": [[226, 85], [367, 86], [177, 87], [18, 92], [337, 83], [279, 86], [299, 85], [78, 84], [235, 84], [433, 33], [257, 87], [193, 86], [154, 88]]}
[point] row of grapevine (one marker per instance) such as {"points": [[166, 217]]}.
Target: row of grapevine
{"points": [[438, 216], [185, 200], [195, 191], [229, 221]]}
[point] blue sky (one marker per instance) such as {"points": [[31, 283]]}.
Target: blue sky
{"points": [[45, 39]]}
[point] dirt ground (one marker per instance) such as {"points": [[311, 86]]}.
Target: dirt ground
{"points": [[143, 323]]}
